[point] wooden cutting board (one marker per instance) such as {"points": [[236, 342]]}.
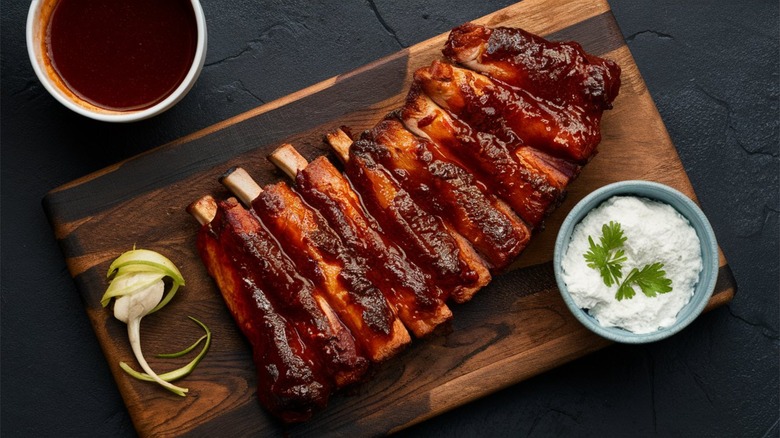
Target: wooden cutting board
{"points": [[514, 329]]}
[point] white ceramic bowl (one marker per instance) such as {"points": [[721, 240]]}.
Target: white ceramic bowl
{"points": [[686, 207], [35, 34]]}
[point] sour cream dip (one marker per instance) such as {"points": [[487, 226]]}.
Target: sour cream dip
{"points": [[655, 232]]}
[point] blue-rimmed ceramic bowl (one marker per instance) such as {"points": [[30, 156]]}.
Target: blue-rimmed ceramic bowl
{"points": [[687, 208]]}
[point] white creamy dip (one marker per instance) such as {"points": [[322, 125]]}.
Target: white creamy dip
{"points": [[655, 232]]}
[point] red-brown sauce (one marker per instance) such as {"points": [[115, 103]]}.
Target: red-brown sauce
{"points": [[405, 285], [561, 72], [421, 235], [445, 189], [122, 55], [291, 381], [491, 161], [308, 237]]}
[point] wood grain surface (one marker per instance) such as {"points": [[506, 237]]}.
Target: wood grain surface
{"points": [[514, 329]]}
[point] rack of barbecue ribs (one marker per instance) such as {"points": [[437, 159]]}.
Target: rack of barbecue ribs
{"points": [[335, 272]]}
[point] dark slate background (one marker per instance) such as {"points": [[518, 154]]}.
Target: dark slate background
{"points": [[712, 68]]}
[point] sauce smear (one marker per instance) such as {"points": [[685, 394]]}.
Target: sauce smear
{"points": [[122, 55]]}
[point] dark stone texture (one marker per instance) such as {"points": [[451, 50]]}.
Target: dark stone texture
{"points": [[712, 68]]}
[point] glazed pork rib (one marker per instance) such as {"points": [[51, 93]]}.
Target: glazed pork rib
{"points": [[417, 301], [292, 382], [523, 187], [445, 189], [319, 255], [561, 72], [447, 258], [557, 172], [512, 163], [513, 115]]}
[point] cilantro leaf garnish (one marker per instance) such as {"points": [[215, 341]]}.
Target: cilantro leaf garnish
{"points": [[651, 280], [608, 258], [612, 235]]}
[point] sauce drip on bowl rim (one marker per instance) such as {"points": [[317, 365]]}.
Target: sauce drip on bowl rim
{"points": [[121, 55]]}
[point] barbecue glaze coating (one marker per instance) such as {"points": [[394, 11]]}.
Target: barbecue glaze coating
{"points": [[488, 158], [514, 115], [447, 190], [418, 302], [319, 255], [561, 72], [292, 382], [424, 237]]}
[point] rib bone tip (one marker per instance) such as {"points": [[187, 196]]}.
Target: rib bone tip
{"points": [[241, 184], [340, 142], [203, 209], [289, 160]]}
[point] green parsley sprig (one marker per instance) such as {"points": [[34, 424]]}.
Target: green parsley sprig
{"points": [[608, 258], [651, 279]]}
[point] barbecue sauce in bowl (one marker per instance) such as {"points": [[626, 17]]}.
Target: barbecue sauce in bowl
{"points": [[121, 55]]}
